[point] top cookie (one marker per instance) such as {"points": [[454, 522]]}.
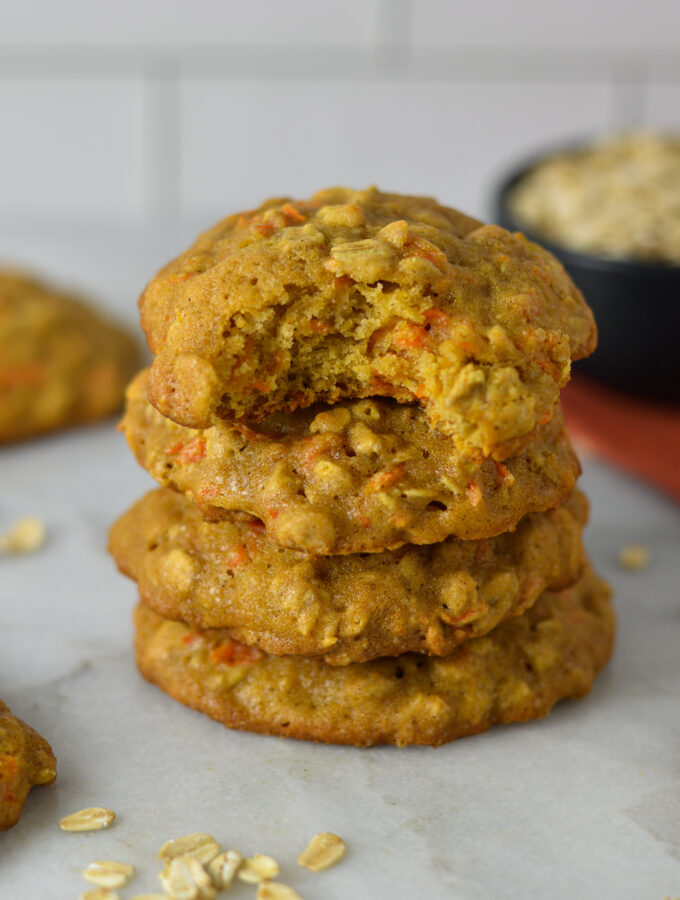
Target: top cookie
{"points": [[60, 361], [360, 293]]}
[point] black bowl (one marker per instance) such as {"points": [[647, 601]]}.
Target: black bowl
{"points": [[636, 306]]}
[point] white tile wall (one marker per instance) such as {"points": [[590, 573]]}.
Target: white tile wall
{"points": [[71, 149], [663, 106], [178, 22], [151, 110], [547, 23], [242, 142]]}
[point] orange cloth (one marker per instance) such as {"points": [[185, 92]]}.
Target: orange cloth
{"points": [[636, 435]]}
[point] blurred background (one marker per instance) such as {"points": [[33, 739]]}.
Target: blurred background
{"points": [[127, 127]]}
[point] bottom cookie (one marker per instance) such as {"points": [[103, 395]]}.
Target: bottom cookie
{"points": [[517, 672], [25, 759]]}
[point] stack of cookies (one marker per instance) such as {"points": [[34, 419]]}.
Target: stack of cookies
{"points": [[368, 529]]}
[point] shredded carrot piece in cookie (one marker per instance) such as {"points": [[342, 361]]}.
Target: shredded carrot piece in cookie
{"points": [[238, 557], [315, 446], [385, 479], [416, 246], [192, 452], [319, 327], [23, 375], [437, 316], [233, 653], [474, 492], [293, 214], [412, 336], [503, 471]]}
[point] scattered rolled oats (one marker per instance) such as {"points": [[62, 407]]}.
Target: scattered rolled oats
{"points": [[258, 868], [324, 850], [186, 879], [634, 557], [150, 897], [25, 536], [224, 867], [100, 894], [200, 846], [91, 819], [274, 890], [108, 873], [195, 867]]}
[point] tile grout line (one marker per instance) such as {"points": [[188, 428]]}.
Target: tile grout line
{"points": [[393, 43], [629, 96], [393, 57], [162, 141]]}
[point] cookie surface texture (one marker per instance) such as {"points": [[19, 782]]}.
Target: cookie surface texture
{"points": [[365, 475], [518, 672], [61, 363], [349, 608], [360, 293], [26, 759]]}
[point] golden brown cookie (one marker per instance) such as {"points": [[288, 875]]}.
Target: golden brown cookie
{"points": [[360, 293], [61, 363], [349, 608], [517, 672], [365, 475], [25, 759]]}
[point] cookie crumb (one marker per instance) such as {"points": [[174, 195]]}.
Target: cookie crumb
{"points": [[26, 536], [91, 819], [324, 850], [634, 557]]}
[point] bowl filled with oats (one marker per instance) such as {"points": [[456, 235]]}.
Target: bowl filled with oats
{"points": [[610, 210]]}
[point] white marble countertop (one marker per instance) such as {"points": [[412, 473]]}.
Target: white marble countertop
{"points": [[582, 804]]}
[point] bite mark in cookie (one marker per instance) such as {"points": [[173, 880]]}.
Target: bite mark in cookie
{"points": [[358, 293]]}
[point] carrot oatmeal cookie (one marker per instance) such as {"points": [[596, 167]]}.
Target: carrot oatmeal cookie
{"points": [[358, 293], [363, 475], [25, 759], [345, 608], [515, 673], [61, 363]]}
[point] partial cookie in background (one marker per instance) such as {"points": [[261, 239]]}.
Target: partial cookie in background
{"points": [[26, 759], [353, 294], [517, 672], [349, 608], [364, 475], [61, 362]]}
